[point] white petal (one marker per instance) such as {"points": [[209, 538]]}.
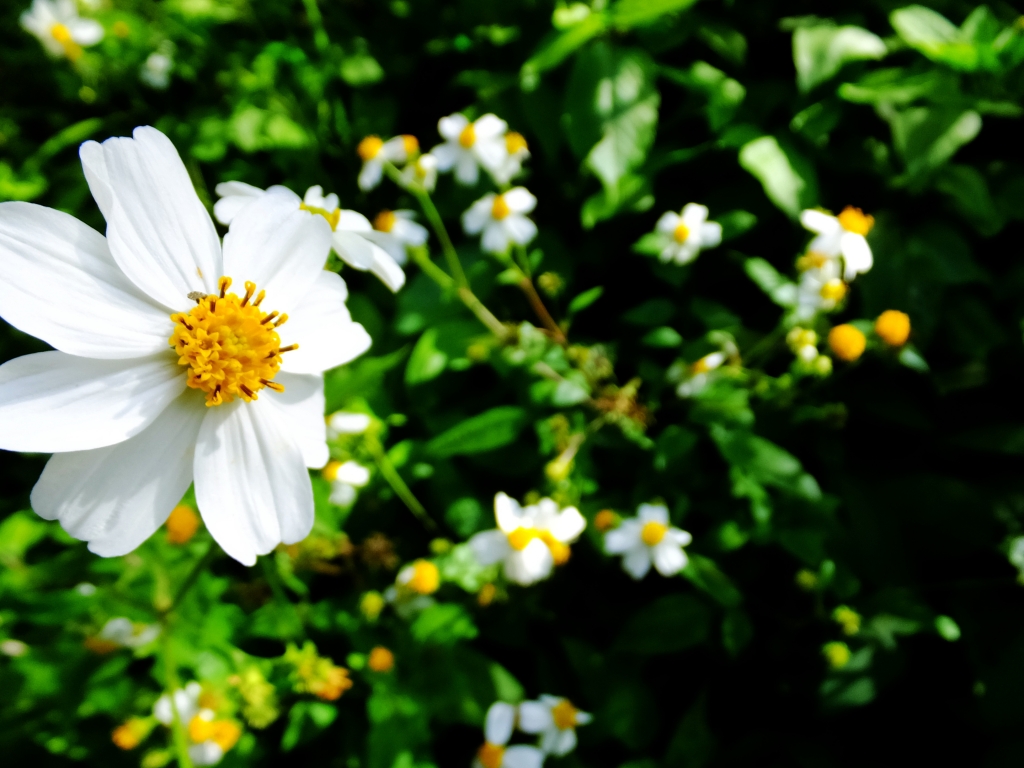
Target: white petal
{"points": [[279, 247], [520, 229], [669, 557], [637, 562], [710, 234], [355, 474], [371, 174], [59, 283], [496, 237], [507, 512], [623, 538], [446, 155], [407, 230], [652, 513], [237, 189], [489, 547], [857, 256], [452, 126], [534, 717], [520, 200], [501, 717], [582, 718], [52, 402], [387, 270], [523, 756], [489, 126], [252, 485], [564, 742], [467, 172], [819, 221], [530, 565], [478, 215], [568, 525], [322, 327], [828, 244], [344, 423], [158, 231], [687, 251], [301, 407], [354, 249], [668, 222], [234, 196], [694, 215], [86, 31], [205, 753], [116, 497], [492, 153], [679, 536], [389, 243]]}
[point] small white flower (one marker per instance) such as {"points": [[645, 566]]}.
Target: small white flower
{"points": [[842, 235], [495, 752], [517, 151], [648, 538], [695, 377], [555, 719], [185, 700], [684, 235], [121, 631], [352, 234], [156, 71], [468, 146], [346, 423], [60, 29], [394, 230], [821, 288], [529, 541], [205, 753], [502, 219], [421, 172], [346, 479], [375, 152]]}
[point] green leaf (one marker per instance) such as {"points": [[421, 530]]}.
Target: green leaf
{"points": [[668, 625], [779, 289], [484, 432], [306, 719], [724, 94], [558, 47], [820, 52], [443, 624], [926, 138], [426, 361], [360, 70], [584, 300], [663, 337], [935, 36], [627, 14], [788, 179], [705, 575], [651, 312], [736, 223]]}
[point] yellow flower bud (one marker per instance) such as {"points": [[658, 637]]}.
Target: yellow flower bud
{"points": [[893, 327], [847, 342]]}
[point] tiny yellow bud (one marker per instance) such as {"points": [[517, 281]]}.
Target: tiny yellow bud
{"points": [[838, 654], [369, 147], [486, 595], [371, 604], [893, 327], [381, 659], [182, 524], [605, 520], [425, 578], [130, 734], [847, 342], [806, 580], [833, 290]]}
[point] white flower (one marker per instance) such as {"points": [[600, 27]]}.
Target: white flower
{"points": [[160, 376], [346, 479], [468, 146], [352, 234], [185, 700], [421, 172], [683, 235], [648, 538], [516, 150], [695, 377], [555, 719], [60, 29], [156, 71], [121, 631], [529, 541], [495, 752], [346, 423], [374, 152], [842, 235], [502, 219], [821, 288], [394, 230], [205, 753]]}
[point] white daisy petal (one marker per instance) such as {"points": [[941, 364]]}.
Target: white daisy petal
{"points": [[446, 155], [279, 247], [637, 562], [467, 171], [680, 537], [370, 175], [478, 215], [530, 565], [523, 756], [857, 256], [621, 539], [488, 126], [52, 402], [534, 717], [564, 742], [668, 222], [668, 557], [59, 283], [251, 482], [686, 252], [710, 234], [389, 243], [498, 724], [158, 231], [583, 718], [507, 512], [496, 238], [489, 547], [567, 525], [234, 196], [116, 497], [452, 126], [386, 268], [520, 229], [656, 513], [302, 411], [85, 31], [322, 327], [819, 221], [354, 249], [694, 215]]}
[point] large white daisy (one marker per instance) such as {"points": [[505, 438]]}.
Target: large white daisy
{"points": [[172, 359]]}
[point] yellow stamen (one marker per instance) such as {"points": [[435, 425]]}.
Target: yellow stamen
{"points": [[223, 733], [385, 221], [564, 714], [499, 208], [847, 342], [332, 216], [560, 552], [369, 147], [491, 755], [708, 363], [62, 35], [855, 220], [425, 578], [653, 532], [833, 290], [515, 143], [811, 260], [468, 136], [411, 144], [182, 524], [680, 233], [330, 472], [520, 538], [893, 327], [231, 348], [381, 659], [130, 734]]}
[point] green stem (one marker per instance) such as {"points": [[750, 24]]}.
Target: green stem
{"points": [[450, 254], [387, 469], [764, 346], [173, 686], [434, 272], [526, 284], [193, 575], [483, 314], [320, 38]]}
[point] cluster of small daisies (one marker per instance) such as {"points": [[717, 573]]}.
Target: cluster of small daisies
{"points": [[552, 718]]}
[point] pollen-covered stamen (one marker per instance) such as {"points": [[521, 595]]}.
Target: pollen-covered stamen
{"points": [[468, 136], [385, 221], [333, 217], [500, 208], [369, 147], [681, 233], [62, 35], [231, 347]]}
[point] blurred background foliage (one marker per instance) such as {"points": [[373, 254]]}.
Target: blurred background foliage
{"points": [[853, 594]]}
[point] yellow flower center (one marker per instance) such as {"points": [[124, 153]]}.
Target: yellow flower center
{"points": [[520, 538], [491, 755], [514, 142], [385, 221], [811, 260], [855, 220], [381, 659], [62, 35], [411, 144], [332, 216], [130, 734], [182, 524], [847, 342], [468, 136], [559, 551], [425, 578], [330, 472], [230, 345], [499, 208], [223, 733], [833, 290], [564, 714], [369, 147], [605, 520], [680, 233], [893, 327], [653, 532]]}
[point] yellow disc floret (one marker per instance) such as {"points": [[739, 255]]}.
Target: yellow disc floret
{"points": [[230, 345], [680, 233], [425, 577], [520, 538], [468, 136], [833, 290], [385, 221], [847, 342], [564, 714], [893, 327], [369, 147], [653, 532], [855, 220], [499, 208], [515, 143]]}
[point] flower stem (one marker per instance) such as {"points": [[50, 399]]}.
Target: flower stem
{"points": [[193, 575], [173, 686], [316, 21], [387, 469], [526, 284], [434, 272], [450, 254]]}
